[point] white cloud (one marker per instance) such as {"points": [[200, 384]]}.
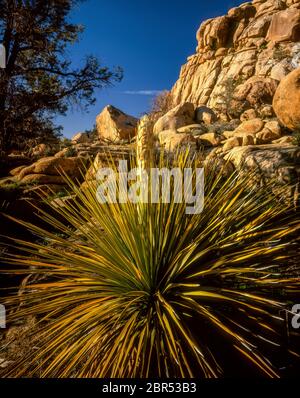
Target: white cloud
{"points": [[143, 92]]}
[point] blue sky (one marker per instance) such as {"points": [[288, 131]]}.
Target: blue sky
{"points": [[149, 39]]}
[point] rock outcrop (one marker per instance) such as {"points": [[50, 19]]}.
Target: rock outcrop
{"points": [[51, 171], [242, 57], [266, 163], [114, 125]]}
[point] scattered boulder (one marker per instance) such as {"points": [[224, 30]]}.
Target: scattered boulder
{"points": [[248, 115], [210, 139], [114, 125], [274, 126], [250, 127], [205, 115], [195, 129], [266, 136], [287, 99], [232, 143], [80, 138], [267, 111], [181, 115], [243, 134], [172, 140]]}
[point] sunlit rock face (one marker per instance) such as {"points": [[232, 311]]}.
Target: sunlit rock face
{"points": [[115, 125], [287, 99], [241, 57]]}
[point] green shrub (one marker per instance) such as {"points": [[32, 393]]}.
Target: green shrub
{"points": [[70, 152], [229, 105], [263, 46], [281, 53], [92, 133], [65, 142], [49, 152]]}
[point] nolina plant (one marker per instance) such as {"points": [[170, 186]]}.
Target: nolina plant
{"points": [[151, 291]]}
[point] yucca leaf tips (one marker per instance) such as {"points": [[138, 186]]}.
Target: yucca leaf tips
{"points": [[159, 297]]}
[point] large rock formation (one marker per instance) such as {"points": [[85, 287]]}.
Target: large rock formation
{"points": [[242, 57], [115, 125]]}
